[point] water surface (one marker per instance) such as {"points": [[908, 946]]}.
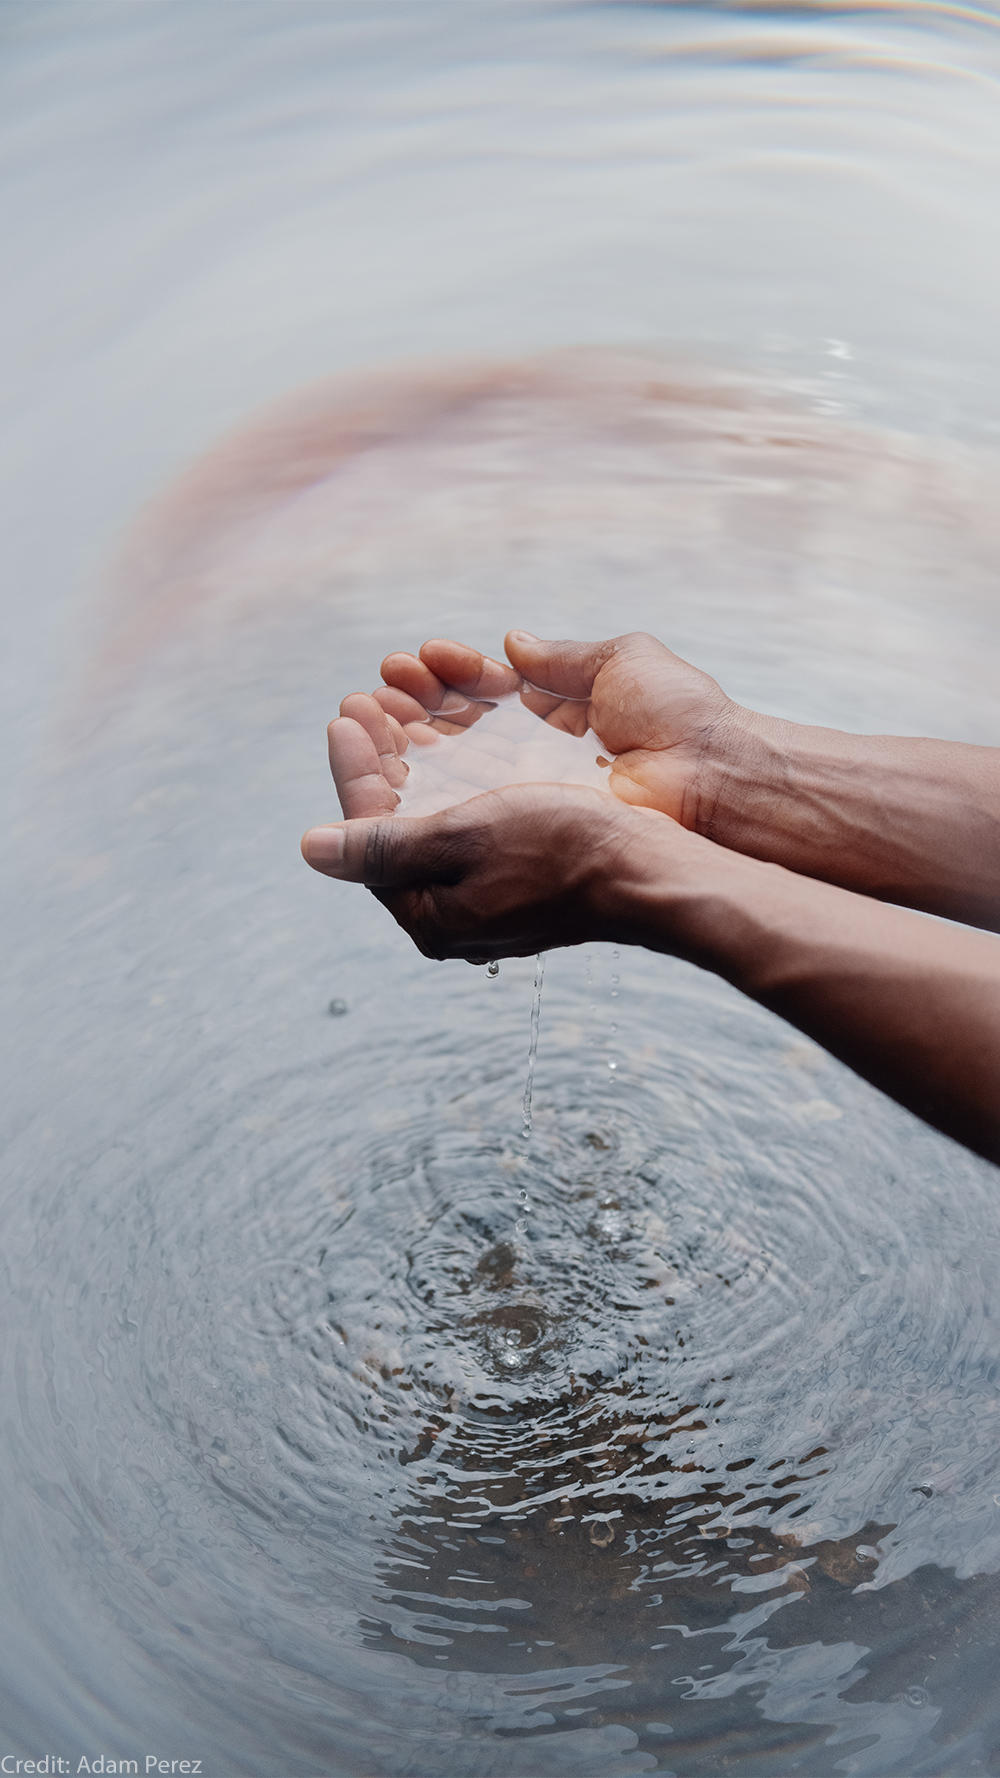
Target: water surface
{"points": [[313, 1461]]}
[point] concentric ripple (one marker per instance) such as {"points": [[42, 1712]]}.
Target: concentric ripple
{"points": [[344, 1388], [698, 1303]]}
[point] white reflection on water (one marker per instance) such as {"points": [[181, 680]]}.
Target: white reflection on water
{"points": [[272, 1485]]}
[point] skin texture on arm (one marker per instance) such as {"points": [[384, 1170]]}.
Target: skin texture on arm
{"points": [[912, 1005], [903, 820]]}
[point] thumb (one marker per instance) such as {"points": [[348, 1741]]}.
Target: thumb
{"points": [[384, 853], [568, 669]]}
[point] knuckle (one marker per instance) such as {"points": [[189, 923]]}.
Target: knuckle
{"points": [[376, 852], [461, 845]]}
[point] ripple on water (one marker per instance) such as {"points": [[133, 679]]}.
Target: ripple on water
{"points": [[342, 1329], [736, 1351]]}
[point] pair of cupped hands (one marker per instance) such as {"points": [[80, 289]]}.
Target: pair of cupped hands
{"points": [[529, 867]]}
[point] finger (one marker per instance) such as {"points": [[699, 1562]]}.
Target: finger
{"points": [[409, 675], [373, 719], [628, 790], [398, 734], [475, 674], [567, 669], [571, 715], [444, 709], [399, 704], [362, 786], [411, 718], [386, 854], [426, 733]]}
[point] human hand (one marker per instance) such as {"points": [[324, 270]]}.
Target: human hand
{"points": [[912, 1005], [368, 741], [669, 725], [507, 874]]}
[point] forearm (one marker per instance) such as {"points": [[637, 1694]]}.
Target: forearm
{"points": [[910, 821], [910, 1004]]}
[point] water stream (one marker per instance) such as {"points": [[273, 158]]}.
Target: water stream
{"points": [[605, 317], [536, 1013]]}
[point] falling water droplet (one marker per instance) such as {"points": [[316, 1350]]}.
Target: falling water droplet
{"points": [[536, 1013], [493, 968]]}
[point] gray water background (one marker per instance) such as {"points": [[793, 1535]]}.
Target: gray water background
{"points": [[296, 1433]]}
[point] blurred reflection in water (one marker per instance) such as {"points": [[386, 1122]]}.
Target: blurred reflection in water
{"points": [[312, 1464]]}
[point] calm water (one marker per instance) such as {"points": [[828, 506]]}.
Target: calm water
{"points": [[313, 1461]]}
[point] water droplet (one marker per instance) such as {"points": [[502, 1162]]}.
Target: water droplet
{"points": [[917, 1695], [493, 968], [536, 1013], [612, 1064], [520, 1226], [337, 1008]]}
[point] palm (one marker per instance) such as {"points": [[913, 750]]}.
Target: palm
{"points": [[652, 711], [657, 715]]}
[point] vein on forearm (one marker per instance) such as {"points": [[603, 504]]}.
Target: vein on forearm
{"points": [[910, 821]]}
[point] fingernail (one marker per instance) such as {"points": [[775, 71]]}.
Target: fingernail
{"points": [[524, 635], [323, 848]]}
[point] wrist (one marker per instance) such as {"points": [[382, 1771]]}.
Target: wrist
{"points": [[744, 919], [790, 794], [742, 779], [659, 885]]}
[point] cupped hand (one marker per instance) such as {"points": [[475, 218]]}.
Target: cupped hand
{"points": [[370, 737], [507, 874], [668, 726]]}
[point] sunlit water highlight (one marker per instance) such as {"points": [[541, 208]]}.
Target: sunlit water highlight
{"points": [[314, 1463]]}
